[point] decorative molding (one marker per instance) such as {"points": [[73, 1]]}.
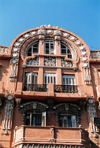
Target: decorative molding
{"points": [[67, 63], [49, 61], [57, 32], [57, 38], [92, 114], [4, 50], [7, 117], [32, 61], [41, 31], [95, 55]]}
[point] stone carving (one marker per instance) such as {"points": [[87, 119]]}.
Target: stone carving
{"points": [[95, 55], [7, 117], [32, 61], [92, 114], [49, 61], [4, 50], [49, 31], [14, 63], [72, 38], [57, 37], [41, 37], [33, 33], [67, 63], [57, 32], [41, 31], [87, 76], [66, 35], [77, 42]]}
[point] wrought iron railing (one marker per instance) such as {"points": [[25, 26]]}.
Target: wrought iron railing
{"points": [[35, 87], [65, 88]]}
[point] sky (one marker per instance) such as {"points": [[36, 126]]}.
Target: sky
{"points": [[81, 17]]}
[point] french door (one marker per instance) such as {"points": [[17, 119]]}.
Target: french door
{"points": [[68, 80], [49, 78]]}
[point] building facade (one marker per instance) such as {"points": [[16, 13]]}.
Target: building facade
{"points": [[49, 91]]}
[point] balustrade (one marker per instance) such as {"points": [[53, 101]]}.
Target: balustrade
{"points": [[32, 61], [95, 55]]}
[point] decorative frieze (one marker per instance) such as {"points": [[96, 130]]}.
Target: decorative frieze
{"points": [[41, 31], [66, 63], [7, 116], [57, 32], [32, 61], [49, 61], [95, 55], [4, 50]]}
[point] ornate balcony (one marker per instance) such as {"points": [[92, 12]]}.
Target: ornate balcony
{"points": [[65, 88], [49, 61], [35, 87], [50, 136]]}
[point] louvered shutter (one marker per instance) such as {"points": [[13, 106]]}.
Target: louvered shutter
{"points": [[29, 78], [43, 118]]}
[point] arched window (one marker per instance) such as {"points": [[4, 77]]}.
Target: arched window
{"points": [[66, 51], [33, 49]]}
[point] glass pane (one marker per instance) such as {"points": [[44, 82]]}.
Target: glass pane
{"points": [[63, 46], [48, 79], [69, 121], [63, 81], [27, 119], [35, 50], [32, 79], [65, 122], [60, 122], [47, 51], [29, 52], [69, 81], [52, 46], [35, 45], [47, 45], [51, 80], [38, 121], [70, 56], [66, 81], [45, 80], [64, 51], [35, 79]]}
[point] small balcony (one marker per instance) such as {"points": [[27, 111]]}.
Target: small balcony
{"points": [[66, 88], [49, 135]]}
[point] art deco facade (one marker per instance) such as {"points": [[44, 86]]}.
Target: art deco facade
{"points": [[49, 91]]}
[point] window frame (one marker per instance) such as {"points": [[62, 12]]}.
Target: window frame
{"points": [[68, 77], [49, 42], [66, 50], [32, 49]]}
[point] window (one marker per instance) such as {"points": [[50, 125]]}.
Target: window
{"points": [[67, 121], [49, 78], [30, 80], [35, 119], [68, 80], [33, 49], [66, 51], [49, 47]]}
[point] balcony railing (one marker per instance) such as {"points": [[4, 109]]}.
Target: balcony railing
{"points": [[35, 87], [65, 88]]}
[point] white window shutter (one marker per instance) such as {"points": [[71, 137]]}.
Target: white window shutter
{"points": [[43, 118], [29, 78], [73, 119]]}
